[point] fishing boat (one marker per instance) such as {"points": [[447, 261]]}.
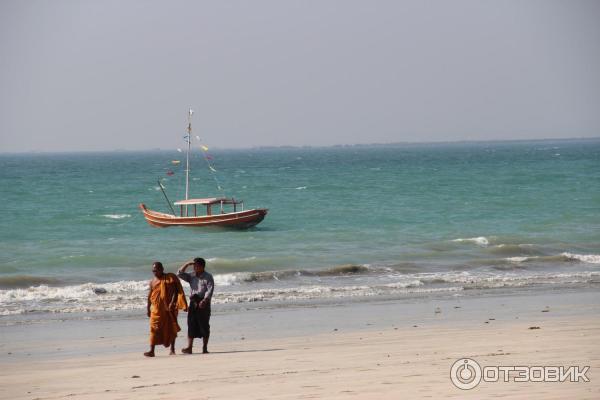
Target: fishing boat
{"points": [[203, 212]]}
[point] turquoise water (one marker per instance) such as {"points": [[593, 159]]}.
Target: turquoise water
{"points": [[439, 216]]}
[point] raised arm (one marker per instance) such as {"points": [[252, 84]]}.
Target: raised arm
{"points": [[181, 272]]}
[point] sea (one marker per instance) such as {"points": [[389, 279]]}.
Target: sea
{"points": [[345, 224]]}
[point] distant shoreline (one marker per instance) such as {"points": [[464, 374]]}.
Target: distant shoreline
{"points": [[307, 147]]}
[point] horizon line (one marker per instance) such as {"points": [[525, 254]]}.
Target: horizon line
{"points": [[307, 146]]}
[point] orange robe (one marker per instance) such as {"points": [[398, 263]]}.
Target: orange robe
{"points": [[163, 321]]}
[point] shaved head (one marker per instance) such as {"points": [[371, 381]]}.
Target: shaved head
{"points": [[157, 269]]}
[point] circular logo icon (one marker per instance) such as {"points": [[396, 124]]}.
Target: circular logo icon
{"points": [[465, 373]]}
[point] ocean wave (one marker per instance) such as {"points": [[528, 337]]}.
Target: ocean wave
{"points": [[131, 295], [340, 270], [557, 258], [116, 216], [46, 293], [328, 292], [86, 297], [519, 262], [266, 276], [519, 259], [347, 269], [515, 249], [229, 279], [586, 258], [480, 241], [495, 280], [254, 268]]}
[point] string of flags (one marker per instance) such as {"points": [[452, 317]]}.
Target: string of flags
{"points": [[208, 158]]}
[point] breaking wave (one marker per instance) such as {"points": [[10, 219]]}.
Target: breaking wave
{"points": [[244, 288], [87, 297], [586, 258]]}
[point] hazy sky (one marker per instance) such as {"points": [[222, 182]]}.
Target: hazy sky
{"points": [[103, 75]]}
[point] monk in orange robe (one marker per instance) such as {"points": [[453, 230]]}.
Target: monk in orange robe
{"points": [[165, 298]]}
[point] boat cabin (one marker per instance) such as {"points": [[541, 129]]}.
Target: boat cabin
{"points": [[185, 205]]}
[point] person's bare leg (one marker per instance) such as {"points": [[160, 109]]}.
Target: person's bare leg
{"points": [[151, 352], [205, 344], [188, 350], [172, 352]]}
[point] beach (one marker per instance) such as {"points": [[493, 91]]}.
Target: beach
{"points": [[399, 201], [370, 349], [376, 269]]}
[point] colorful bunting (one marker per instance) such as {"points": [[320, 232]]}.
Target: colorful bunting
{"points": [[207, 157]]}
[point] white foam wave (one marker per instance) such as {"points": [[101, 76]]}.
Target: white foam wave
{"points": [[131, 295], [117, 216], [230, 279], [494, 280], [88, 297], [402, 285], [45, 293], [301, 188], [587, 258], [327, 292], [518, 260], [480, 241]]}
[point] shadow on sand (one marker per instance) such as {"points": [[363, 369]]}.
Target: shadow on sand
{"points": [[238, 351]]}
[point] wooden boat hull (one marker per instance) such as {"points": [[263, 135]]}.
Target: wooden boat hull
{"points": [[238, 220]]}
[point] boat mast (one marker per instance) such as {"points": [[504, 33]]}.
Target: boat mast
{"points": [[187, 157]]}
